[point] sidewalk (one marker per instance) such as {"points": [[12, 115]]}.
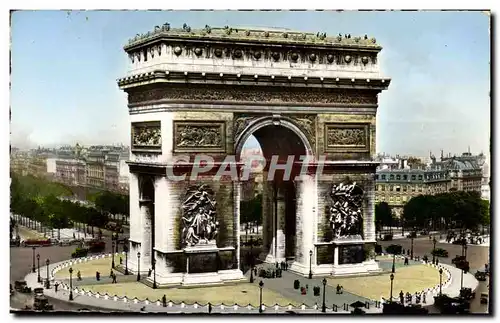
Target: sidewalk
{"points": [[310, 304]]}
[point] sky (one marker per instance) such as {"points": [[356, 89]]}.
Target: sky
{"points": [[64, 67]]}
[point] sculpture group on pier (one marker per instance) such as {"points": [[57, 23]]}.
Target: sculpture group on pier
{"points": [[199, 217]]}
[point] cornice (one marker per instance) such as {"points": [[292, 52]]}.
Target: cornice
{"points": [[176, 77]]}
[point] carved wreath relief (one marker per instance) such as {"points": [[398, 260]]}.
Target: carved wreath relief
{"points": [[346, 213], [146, 135], [199, 224]]}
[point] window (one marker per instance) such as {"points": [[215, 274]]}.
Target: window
{"points": [[413, 188], [398, 188], [413, 177], [398, 177], [383, 176], [391, 188], [419, 177], [383, 187], [392, 176], [376, 177]]}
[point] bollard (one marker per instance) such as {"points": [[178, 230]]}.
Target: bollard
{"points": [[334, 308], [367, 305]]}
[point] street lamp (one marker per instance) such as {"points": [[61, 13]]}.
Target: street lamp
{"points": [[47, 285], [125, 249], [393, 263], [310, 264], [70, 283], [154, 273], [434, 250], [38, 262], [139, 266], [323, 308], [392, 281], [411, 251], [261, 284], [251, 259], [113, 254], [440, 281], [33, 268]]}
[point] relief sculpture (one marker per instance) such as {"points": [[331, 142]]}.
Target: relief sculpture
{"points": [[242, 121], [210, 94], [199, 224], [202, 136], [308, 124], [346, 213], [346, 136], [146, 135]]}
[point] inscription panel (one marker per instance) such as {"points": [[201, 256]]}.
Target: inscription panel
{"points": [[347, 137], [146, 136], [199, 136]]}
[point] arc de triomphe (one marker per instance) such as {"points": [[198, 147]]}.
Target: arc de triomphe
{"points": [[206, 91]]}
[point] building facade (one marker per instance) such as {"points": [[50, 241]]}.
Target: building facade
{"points": [[398, 186]]}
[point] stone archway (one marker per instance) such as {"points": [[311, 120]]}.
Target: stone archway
{"points": [[279, 137], [204, 91]]}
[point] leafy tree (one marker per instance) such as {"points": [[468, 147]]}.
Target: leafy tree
{"points": [[383, 215]]}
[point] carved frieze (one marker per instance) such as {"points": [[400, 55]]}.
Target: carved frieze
{"points": [[207, 94], [199, 223], [346, 212], [199, 136], [347, 137], [146, 136]]}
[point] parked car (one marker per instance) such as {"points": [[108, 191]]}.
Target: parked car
{"points": [[38, 291], [41, 303], [480, 275], [484, 298], [21, 286]]}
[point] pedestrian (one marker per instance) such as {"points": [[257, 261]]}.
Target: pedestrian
{"points": [[338, 288], [209, 308], [423, 298], [436, 261], [56, 285], [79, 275], [286, 265], [97, 276], [164, 300], [402, 297], [406, 261], [111, 274], [307, 287], [255, 271], [121, 261], [277, 265], [149, 272], [114, 279]]}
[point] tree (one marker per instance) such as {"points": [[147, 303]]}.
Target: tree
{"points": [[383, 215]]}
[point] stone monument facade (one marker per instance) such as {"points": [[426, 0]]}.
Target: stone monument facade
{"points": [[206, 91]]}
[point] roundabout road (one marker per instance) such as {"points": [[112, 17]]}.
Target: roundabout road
{"points": [[476, 255], [21, 262]]}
